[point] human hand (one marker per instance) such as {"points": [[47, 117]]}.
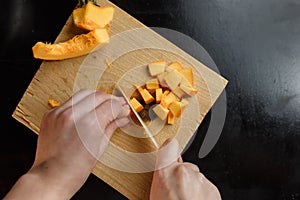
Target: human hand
{"points": [[80, 129], [72, 138], [175, 179]]}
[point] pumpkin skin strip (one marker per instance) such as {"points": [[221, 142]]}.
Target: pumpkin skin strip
{"points": [[79, 45]]}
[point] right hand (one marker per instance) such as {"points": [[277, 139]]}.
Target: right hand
{"points": [[175, 179]]}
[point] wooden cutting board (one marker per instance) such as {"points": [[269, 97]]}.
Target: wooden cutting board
{"points": [[132, 47]]}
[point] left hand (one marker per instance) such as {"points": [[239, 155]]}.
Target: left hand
{"points": [[72, 138]]}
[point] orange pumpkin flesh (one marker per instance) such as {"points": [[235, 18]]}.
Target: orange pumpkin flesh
{"points": [[77, 46], [91, 17]]}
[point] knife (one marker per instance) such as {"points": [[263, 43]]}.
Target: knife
{"points": [[148, 132]]}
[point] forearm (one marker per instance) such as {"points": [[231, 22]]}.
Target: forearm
{"points": [[46, 182], [32, 186]]}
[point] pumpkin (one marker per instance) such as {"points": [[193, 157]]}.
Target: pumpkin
{"points": [[91, 16], [170, 84], [77, 46], [53, 103]]}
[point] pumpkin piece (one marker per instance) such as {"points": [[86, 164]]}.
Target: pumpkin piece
{"points": [[175, 65], [171, 118], [160, 111], [169, 69], [175, 108], [158, 95], [163, 96], [168, 99], [152, 84], [53, 103], [78, 14], [148, 98], [184, 81], [188, 89], [172, 79], [138, 107], [178, 92], [139, 88], [77, 46], [187, 73], [157, 67], [184, 102], [91, 16], [161, 79]]}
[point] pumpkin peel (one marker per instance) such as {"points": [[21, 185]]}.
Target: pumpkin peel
{"points": [[77, 46]]}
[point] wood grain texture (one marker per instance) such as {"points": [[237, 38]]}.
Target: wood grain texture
{"points": [[132, 47]]}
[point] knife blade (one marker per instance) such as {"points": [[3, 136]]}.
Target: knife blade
{"points": [[148, 132]]}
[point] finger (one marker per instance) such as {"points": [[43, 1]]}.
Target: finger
{"points": [[109, 111], [191, 166], [125, 111], [88, 104], [211, 190], [168, 154], [103, 139], [78, 96], [122, 100], [179, 160], [111, 128]]}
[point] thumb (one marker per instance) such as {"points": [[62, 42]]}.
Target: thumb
{"points": [[168, 154]]}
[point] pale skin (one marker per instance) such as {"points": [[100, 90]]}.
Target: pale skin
{"points": [[76, 134], [176, 180]]}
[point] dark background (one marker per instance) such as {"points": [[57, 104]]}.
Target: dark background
{"points": [[256, 46]]}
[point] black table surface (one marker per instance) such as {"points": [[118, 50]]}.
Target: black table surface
{"points": [[255, 45]]}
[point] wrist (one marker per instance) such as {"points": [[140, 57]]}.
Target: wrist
{"points": [[34, 186], [56, 181]]}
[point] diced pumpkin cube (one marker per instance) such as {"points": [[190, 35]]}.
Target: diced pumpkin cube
{"points": [[168, 99], [161, 79], [157, 67], [148, 98], [169, 69], [175, 65], [160, 111], [178, 92], [53, 103], [152, 84], [175, 108], [187, 73], [163, 96], [173, 79], [184, 81], [188, 89], [136, 104], [158, 95], [171, 118]]}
